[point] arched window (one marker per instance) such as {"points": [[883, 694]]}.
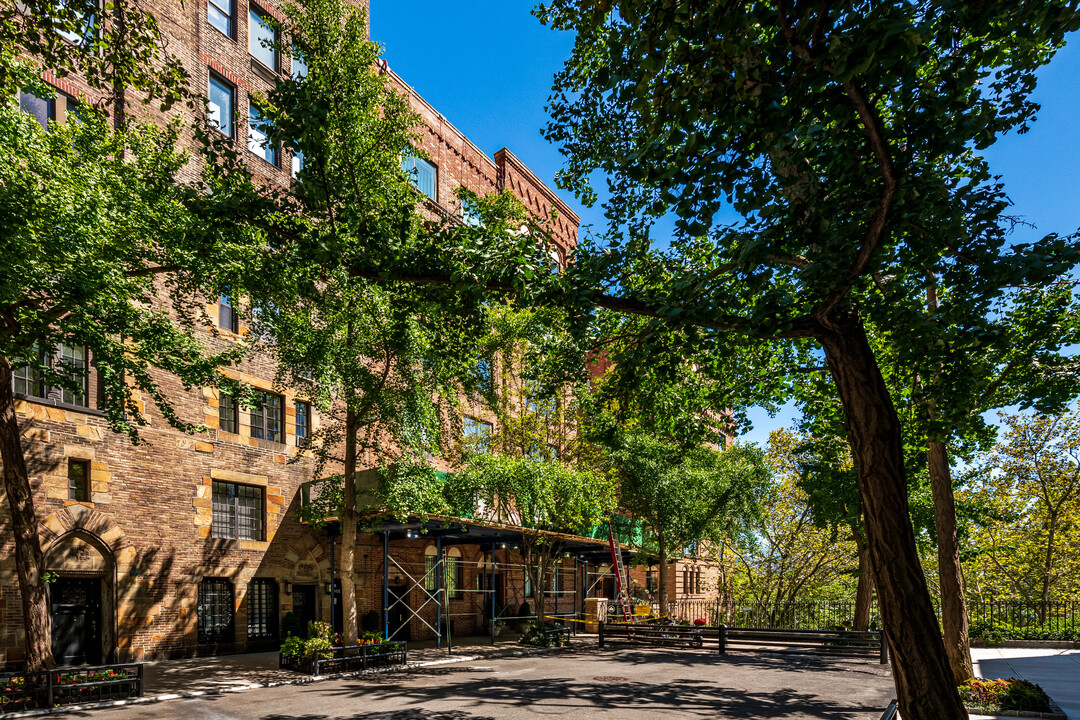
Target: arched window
{"points": [[430, 561], [215, 611], [454, 586]]}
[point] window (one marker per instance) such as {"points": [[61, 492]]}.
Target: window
{"points": [[220, 105], [259, 141], [228, 318], [485, 378], [227, 413], [79, 480], [43, 109], [469, 214], [299, 66], [423, 173], [455, 588], [267, 418], [303, 424], [297, 162], [73, 361], [215, 611], [220, 13], [237, 511], [28, 380], [80, 18], [262, 621], [69, 361], [650, 581], [478, 434], [431, 561], [262, 39], [528, 586]]}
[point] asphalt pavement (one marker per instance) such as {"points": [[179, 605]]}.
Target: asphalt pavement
{"points": [[587, 684]]}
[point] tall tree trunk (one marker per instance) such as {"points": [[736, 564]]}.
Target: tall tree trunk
{"points": [[662, 576], [924, 681], [28, 555], [954, 616], [348, 534], [864, 591]]}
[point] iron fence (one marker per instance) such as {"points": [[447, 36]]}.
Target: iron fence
{"points": [[1007, 618], [69, 686]]}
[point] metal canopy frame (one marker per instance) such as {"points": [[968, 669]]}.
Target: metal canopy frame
{"points": [[448, 532]]}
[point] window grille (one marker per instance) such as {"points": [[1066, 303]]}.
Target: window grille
{"points": [[237, 511], [262, 612], [73, 358], [215, 611]]}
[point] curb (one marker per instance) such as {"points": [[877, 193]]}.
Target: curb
{"points": [[305, 680]]}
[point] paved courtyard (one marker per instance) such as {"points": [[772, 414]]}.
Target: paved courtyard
{"points": [[1057, 671], [630, 683]]}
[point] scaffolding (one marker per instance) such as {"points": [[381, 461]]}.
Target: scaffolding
{"points": [[434, 591]]}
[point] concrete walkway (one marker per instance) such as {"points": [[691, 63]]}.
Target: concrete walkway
{"points": [[1057, 671]]}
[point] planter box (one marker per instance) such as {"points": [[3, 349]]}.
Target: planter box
{"points": [[349, 658], [69, 686], [1046, 644]]}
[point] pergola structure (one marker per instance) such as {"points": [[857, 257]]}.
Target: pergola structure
{"points": [[448, 532]]}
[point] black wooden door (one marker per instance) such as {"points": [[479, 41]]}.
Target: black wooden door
{"points": [[76, 620], [303, 599], [399, 612]]}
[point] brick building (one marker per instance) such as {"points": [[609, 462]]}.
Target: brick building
{"points": [[188, 545]]}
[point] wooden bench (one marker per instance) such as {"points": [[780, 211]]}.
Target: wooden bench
{"points": [[724, 639]]}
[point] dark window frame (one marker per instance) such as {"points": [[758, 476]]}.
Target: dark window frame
{"points": [[454, 577], [302, 423], [262, 609], [261, 416], [256, 19], [230, 17], [219, 80], [238, 511], [228, 318], [216, 611], [31, 378], [79, 488], [228, 414]]}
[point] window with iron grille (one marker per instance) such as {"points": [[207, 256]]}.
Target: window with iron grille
{"points": [[215, 611], [262, 609], [303, 424], [227, 413], [79, 480], [454, 585], [430, 561], [228, 319], [237, 511], [267, 418]]}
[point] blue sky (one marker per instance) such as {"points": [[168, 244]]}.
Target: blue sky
{"points": [[487, 66]]}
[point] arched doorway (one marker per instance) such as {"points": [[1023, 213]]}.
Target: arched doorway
{"points": [[82, 602]]}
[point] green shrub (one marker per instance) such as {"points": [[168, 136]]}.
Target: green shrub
{"points": [[536, 636], [994, 696], [292, 646], [999, 631]]}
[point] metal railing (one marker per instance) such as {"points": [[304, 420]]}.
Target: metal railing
{"points": [[69, 686], [347, 658]]}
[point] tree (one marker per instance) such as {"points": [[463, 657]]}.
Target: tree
{"points": [[1030, 543], [545, 499], [385, 362], [127, 293], [846, 140], [787, 554], [684, 495]]}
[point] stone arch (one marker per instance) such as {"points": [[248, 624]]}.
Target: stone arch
{"points": [[83, 545]]}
